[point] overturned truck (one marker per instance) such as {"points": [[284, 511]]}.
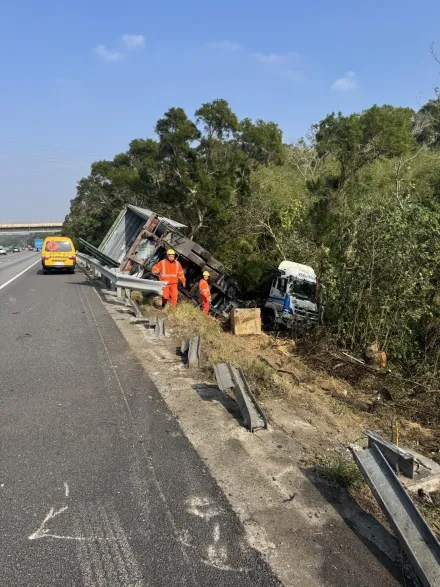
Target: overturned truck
{"points": [[139, 238]]}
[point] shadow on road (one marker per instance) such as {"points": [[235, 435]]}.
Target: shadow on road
{"points": [[59, 272], [211, 393], [367, 529]]}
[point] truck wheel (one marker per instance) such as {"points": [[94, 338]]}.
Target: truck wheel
{"points": [[268, 319], [231, 292]]}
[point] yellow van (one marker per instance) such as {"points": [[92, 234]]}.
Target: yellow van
{"points": [[58, 253]]}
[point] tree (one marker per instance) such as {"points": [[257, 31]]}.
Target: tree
{"points": [[262, 141], [218, 120], [359, 139]]}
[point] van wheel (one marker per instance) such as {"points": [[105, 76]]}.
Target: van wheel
{"points": [[71, 271]]}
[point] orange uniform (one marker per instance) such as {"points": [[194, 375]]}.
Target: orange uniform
{"points": [[172, 273], [205, 295]]}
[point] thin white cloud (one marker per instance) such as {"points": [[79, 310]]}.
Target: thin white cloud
{"points": [[133, 41], [283, 64], [294, 75], [108, 54], [276, 58], [225, 45], [346, 83]]}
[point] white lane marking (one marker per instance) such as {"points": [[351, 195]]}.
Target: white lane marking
{"points": [[19, 274], [66, 489]]}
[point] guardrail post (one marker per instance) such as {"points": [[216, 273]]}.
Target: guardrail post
{"points": [[119, 292]]}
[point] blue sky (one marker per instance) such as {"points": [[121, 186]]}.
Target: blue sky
{"points": [[81, 79]]}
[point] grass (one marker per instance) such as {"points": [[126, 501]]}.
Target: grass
{"points": [[137, 297], [220, 346], [431, 512], [338, 471]]}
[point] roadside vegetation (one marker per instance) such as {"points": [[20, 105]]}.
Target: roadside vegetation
{"points": [[339, 471], [358, 199]]}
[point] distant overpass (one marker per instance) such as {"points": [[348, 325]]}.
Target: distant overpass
{"points": [[30, 227]]}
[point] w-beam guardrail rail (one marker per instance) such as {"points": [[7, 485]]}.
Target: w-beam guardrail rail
{"points": [[159, 329], [121, 280], [104, 271], [137, 311], [229, 378], [191, 348], [400, 460], [416, 537], [138, 284]]}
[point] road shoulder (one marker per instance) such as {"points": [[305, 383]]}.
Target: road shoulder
{"points": [[288, 516]]}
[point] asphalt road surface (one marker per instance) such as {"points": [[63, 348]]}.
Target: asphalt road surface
{"points": [[98, 486], [13, 263]]}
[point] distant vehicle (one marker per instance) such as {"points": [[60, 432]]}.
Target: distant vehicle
{"points": [[2, 251], [58, 253], [15, 250]]}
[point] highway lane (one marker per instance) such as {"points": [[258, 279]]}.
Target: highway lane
{"points": [[14, 263], [99, 487]]}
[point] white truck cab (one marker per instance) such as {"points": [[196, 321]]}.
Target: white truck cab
{"points": [[293, 296]]}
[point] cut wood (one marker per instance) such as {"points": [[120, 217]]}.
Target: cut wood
{"points": [[245, 321]]}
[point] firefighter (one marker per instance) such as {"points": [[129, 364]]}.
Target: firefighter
{"points": [[171, 271], [205, 292]]}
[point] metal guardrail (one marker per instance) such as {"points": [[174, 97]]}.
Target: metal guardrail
{"points": [[399, 460], [99, 255], [191, 348], [138, 284], [159, 329], [137, 311], [122, 280], [415, 536], [229, 378], [107, 272]]}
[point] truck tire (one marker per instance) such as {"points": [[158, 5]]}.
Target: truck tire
{"points": [[268, 316]]}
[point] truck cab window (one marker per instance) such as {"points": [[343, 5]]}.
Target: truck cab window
{"points": [[282, 285]]}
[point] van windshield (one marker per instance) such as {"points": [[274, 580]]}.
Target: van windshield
{"points": [[58, 246]]}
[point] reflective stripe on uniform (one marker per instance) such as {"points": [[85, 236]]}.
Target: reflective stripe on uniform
{"points": [[168, 270]]}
